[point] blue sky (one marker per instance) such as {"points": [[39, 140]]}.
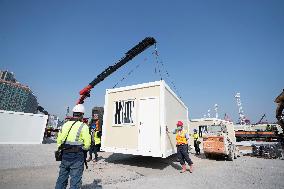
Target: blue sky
{"points": [[211, 49]]}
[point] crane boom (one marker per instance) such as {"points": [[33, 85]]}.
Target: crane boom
{"points": [[140, 47]]}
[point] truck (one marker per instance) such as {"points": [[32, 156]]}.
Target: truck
{"points": [[220, 140]]}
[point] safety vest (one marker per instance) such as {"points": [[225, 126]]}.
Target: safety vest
{"points": [[195, 136], [97, 139], [180, 138], [78, 136]]}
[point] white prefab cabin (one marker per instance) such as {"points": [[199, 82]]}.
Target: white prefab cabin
{"points": [[136, 118], [21, 128]]}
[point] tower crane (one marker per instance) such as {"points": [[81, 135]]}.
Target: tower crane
{"points": [[216, 111], [242, 117]]}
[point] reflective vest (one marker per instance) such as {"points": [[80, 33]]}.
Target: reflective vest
{"points": [[195, 136], [78, 136], [180, 138], [97, 139]]}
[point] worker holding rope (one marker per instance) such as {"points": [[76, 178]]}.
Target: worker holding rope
{"points": [[182, 138]]}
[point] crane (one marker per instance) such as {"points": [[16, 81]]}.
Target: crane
{"points": [[129, 55], [216, 111], [261, 120], [227, 117], [243, 119]]}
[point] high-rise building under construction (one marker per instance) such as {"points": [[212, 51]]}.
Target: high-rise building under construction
{"points": [[15, 96]]}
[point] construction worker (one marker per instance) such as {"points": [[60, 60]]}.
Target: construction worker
{"points": [[92, 131], [182, 138], [96, 141], [78, 140], [97, 138], [196, 142]]}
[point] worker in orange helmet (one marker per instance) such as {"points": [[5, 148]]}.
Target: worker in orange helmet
{"points": [[182, 138]]}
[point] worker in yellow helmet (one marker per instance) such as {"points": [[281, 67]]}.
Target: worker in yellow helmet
{"points": [[182, 138], [96, 140], [196, 142], [76, 139]]}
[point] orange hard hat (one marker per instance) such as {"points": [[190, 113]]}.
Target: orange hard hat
{"points": [[179, 123]]}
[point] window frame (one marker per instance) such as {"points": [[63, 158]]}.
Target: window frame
{"points": [[122, 118]]}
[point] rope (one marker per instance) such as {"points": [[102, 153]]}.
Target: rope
{"points": [[165, 70], [158, 70], [157, 62], [129, 73]]}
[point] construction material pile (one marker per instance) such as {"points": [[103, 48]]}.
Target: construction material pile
{"points": [[268, 151]]}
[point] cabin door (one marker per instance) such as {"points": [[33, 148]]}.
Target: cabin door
{"points": [[148, 126]]}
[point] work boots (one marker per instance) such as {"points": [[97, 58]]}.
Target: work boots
{"points": [[89, 159], [191, 168], [183, 169]]}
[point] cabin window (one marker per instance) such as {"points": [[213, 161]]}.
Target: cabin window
{"points": [[124, 112]]}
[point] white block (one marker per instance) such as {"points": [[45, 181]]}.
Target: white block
{"points": [[21, 128]]}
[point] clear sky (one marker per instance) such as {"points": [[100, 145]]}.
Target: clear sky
{"points": [[211, 49]]}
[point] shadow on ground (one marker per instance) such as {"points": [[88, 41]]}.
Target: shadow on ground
{"points": [[143, 161], [48, 140], [200, 156], [95, 185], [212, 157]]}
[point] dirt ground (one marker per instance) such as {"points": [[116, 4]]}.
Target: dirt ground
{"points": [[33, 167]]}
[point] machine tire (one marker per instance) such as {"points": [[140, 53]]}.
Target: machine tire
{"points": [[235, 155], [207, 155], [230, 155]]}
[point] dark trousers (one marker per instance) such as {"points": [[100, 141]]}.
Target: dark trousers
{"points": [[94, 149], [74, 169], [196, 146], [182, 153]]}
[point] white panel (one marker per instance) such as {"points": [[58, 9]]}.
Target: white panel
{"points": [[162, 119], [175, 110], [21, 128], [106, 112], [149, 128], [130, 151], [139, 86]]}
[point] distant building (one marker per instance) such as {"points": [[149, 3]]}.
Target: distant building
{"points": [[7, 76], [15, 96]]}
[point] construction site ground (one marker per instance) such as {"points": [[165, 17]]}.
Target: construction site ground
{"points": [[33, 167]]}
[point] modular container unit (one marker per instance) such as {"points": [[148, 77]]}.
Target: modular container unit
{"points": [[137, 117], [21, 128]]}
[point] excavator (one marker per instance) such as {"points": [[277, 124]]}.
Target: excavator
{"points": [[279, 110], [129, 55]]}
